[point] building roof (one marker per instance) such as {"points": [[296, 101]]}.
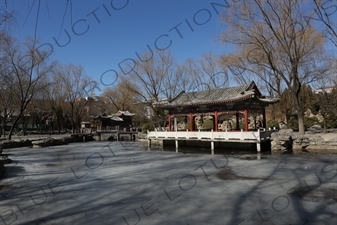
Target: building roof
{"points": [[111, 117], [327, 90], [100, 116], [115, 117], [217, 96], [125, 113]]}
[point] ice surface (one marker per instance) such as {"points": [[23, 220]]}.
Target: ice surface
{"points": [[120, 183]]}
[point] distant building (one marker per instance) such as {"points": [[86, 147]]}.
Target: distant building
{"points": [[327, 90], [148, 107], [126, 116], [119, 120]]}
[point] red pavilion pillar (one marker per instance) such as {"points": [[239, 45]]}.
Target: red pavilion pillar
{"points": [[264, 122], [191, 122], [216, 121], [169, 122], [237, 121], [245, 112]]}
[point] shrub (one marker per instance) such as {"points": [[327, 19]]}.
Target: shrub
{"points": [[310, 121], [293, 124], [331, 122], [272, 124], [187, 126], [207, 125], [146, 127], [241, 125]]}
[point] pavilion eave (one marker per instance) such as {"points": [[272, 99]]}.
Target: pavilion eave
{"points": [[199, 104]]}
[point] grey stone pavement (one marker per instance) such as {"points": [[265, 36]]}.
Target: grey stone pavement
{"points": [[121, 183]]}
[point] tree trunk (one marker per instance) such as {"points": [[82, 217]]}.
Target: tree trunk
{"points": [[324, 125], [298, 104], [59, 125], [273, 112], [300, 117], [3, 128], [23, 125], [40, 126], [12, 127], [37, 125], [58, 114]]}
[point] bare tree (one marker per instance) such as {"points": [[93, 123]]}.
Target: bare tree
{"points": [[211, 71], [325, 13], [5, 14], [98, 106], [176, 81], [7, 100], [206, 73], [56, 95], [75, 81], [276, 44], [7, 103], [149, 73], [26, 70], [122, 97], [149, 77]]}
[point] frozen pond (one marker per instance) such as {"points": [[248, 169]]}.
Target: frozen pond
{"points": [[120, 183]]}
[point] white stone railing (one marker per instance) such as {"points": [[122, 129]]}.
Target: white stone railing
{"points": [[258, 136]]}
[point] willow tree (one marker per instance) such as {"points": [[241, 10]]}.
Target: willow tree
{"points": [[122, 97], [277, 45]]}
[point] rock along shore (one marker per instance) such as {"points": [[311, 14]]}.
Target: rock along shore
{"points": [[35, 141], [288, 140], [40, 141]]}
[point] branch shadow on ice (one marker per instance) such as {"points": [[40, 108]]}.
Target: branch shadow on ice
{"points": [[301, 196]]}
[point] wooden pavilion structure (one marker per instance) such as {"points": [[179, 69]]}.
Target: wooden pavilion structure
{"points": [[239, 101], [117, 121]]}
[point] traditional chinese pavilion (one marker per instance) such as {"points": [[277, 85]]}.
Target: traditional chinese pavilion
{"points": [[239, 101], [121, 119]]}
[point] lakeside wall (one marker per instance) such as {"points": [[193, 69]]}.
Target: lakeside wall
{"points": [[265, 146]]}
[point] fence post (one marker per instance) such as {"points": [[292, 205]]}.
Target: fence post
{"points": [[258, 144], [212, 147]]}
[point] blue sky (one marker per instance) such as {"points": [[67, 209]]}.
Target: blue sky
{"points": [[110, 31]]}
